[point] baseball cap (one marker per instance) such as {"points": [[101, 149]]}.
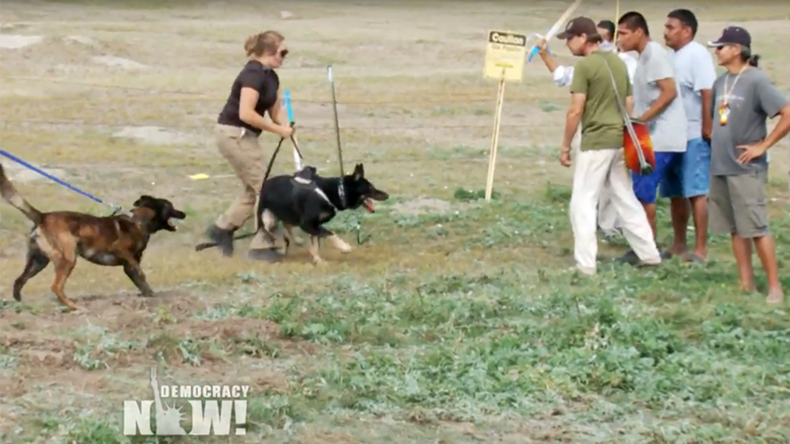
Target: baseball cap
{"points": [[732, 35], [577, 27]]}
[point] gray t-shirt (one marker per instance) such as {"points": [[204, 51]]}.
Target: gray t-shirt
{"points": [[668, 128], [694, 71], [753, 100]]}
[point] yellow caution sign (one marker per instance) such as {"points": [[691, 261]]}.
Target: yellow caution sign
{"points": [[505, 56]]}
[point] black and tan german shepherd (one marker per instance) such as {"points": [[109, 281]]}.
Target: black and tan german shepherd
{"points": [[307, 200], [60, 236]]}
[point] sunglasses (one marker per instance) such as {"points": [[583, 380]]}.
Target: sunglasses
{"points": [[283, 53]]}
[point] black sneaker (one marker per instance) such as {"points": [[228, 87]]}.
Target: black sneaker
{"points": [[628, 258], [632, 259], [223, 239], [265, 254]]}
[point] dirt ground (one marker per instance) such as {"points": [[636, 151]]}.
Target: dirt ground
{"points": [[120, 101]]}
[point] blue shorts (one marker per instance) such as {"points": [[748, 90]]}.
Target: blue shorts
{"points": [[691, 177], [645, 187]]}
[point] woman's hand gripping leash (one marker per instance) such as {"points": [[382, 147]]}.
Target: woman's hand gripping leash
{"points": [[292, 136], [285, 131]]}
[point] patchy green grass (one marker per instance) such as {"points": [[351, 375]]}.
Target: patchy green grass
{"points": [[671, 355], [452, 321]]}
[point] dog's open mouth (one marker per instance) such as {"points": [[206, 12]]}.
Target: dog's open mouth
{"points": [[172, 221], [368, 204]]}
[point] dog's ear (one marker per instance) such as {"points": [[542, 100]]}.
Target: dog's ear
{"points": [[359, 172], [143, 200]]}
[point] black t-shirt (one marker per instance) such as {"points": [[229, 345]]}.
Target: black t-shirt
{"points": [[262, 79]]}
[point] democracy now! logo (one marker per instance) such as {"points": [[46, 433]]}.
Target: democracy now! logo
{"points": [[226, 407]]}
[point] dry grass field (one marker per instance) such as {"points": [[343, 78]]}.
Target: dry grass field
{"points": [[456, 322]]}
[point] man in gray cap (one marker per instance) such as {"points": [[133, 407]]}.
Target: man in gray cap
{"points": [[744, 98]]}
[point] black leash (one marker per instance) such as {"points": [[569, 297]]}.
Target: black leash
{"points": [[360, 240], [341, 189]]}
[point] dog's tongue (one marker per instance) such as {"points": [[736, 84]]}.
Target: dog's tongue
{"points": [[368, 204]]}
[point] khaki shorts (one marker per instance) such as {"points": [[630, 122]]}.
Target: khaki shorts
{"points": [[737, 205]]}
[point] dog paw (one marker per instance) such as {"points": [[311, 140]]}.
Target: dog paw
{"points": [[75, 309], [340, 244], [147, 294]]}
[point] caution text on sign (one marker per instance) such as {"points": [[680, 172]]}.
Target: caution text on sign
{"points": [[505, 56]]}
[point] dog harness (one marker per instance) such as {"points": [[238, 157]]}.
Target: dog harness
{"points": [[305, 183]]}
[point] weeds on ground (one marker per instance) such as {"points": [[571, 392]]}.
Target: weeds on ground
{"points": [[669, 355]]}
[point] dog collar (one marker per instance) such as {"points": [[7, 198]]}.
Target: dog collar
{"points": [[121, 212], [341, 193]]}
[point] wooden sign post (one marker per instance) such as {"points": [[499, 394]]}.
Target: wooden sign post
{"points": [[505, 57]]}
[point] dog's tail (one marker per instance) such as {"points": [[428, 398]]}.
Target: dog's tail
{"points": [[12, 196]]}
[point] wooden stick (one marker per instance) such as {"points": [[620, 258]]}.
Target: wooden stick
{"points": [[489, 173], [297, 160], [495, 139], [556, 28], [289, 109], [564, 18]]}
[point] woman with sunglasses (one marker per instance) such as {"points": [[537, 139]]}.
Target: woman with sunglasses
{"points": [[254, 92]]}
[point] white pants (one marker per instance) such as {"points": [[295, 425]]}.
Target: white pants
{"points": [[595, 171], [607, 216]]}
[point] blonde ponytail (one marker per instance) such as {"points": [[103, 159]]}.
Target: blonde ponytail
{"points": [[263, 42], [251, 43]]}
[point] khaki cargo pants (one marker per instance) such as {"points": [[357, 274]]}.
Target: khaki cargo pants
{"points": [[241, 149], [737, 204]]}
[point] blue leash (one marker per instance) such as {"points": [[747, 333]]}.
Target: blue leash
{"points": [[116, 208]]}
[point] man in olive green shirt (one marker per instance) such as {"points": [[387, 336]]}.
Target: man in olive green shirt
{"points": [[600, 160]]}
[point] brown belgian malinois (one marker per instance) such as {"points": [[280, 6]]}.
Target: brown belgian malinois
{"points": [[60, 236]]}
